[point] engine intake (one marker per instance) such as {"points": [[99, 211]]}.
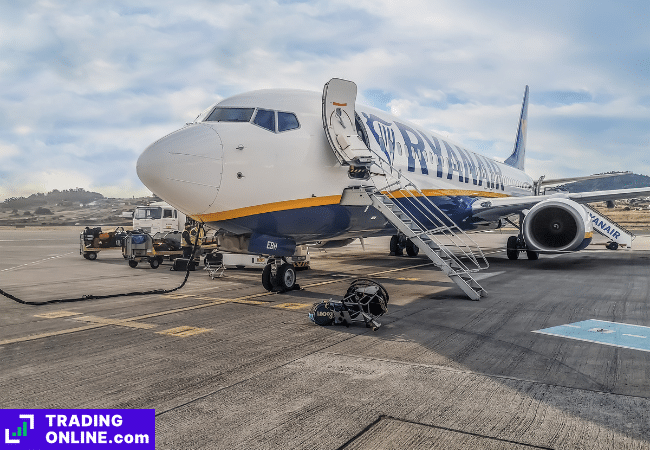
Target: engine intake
{"points": [[557, 224]]}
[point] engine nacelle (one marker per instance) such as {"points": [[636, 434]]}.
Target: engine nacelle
{"points": [[555, 225]]}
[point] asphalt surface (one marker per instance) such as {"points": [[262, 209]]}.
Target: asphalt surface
{"points": [[227, 365]]}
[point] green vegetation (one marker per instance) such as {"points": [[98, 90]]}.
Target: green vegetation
{"points": [[72, 196]]}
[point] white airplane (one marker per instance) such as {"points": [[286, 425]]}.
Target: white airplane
{"points": [[274, 169]]}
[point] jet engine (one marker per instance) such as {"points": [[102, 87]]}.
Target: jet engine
{"points": [[557, 224]]}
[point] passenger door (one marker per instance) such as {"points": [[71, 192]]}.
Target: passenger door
{"points": [[339, 97]]}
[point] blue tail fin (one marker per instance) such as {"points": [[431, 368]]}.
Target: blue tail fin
{"points": [[518, 156]]}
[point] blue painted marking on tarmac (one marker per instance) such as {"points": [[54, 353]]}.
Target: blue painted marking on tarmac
{"points": [[622, 335]]}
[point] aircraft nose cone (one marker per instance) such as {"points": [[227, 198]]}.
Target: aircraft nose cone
{"points": [[184, 168]]}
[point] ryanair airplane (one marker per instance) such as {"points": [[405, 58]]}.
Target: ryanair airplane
{"points": [[276, 169]]}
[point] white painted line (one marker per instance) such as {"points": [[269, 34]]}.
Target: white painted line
{"points": [[621, 323], [30, 240], [634, 335], [592, 341], [572, 326], [37, 262]]}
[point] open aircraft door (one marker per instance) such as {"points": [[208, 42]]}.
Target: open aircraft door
{"points": [[339, 97]]}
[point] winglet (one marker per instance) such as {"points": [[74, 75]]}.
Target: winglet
{"points": [[518, 156]]}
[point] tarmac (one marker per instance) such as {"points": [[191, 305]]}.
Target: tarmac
{"points": [[227, 365]]}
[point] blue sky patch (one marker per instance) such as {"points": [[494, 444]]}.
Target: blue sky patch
{"points": [[554, 98], [377, 98]]}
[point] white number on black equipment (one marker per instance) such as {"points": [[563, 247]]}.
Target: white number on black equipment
{"points": [[364, 301]]}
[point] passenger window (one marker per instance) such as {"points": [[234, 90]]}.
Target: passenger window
{"points": [[167, 213], [287, 121], [231, 115], [265, 119]]}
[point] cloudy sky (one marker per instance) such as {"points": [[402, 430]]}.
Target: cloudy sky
{"points": [[85, 86]]}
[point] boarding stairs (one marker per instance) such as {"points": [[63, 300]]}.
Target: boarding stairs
{"points": [[610, 229], [450, 249], [408, 209], [390, 192]]}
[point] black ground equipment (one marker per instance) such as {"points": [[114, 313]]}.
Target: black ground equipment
{"points": [[364, 301], [94, 240]]}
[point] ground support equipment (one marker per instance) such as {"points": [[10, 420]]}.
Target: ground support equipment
{"points": [[94, 240], [364, 301]]}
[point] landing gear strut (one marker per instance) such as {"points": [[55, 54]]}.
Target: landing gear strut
{"points": [[279, 276], [517, 244], [399, 243]]}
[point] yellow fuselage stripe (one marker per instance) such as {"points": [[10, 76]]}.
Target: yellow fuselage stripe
{"points": [[328, 200], [269, 207]]}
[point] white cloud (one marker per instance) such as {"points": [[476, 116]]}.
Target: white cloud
{"points": [[88, 85]]}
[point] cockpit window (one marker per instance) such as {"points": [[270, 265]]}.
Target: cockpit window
{"points": [[230, 115], [265, 119], [287, 121]]}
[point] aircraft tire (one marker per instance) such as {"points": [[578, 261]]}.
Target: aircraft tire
{"points": [[92, 256], [532, 255], [286, 277], [266, 278], [411, 248], [395, 249], [511, 248], [154, 263]]}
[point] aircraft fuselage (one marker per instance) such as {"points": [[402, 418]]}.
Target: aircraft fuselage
{"points": [[253, 177]]}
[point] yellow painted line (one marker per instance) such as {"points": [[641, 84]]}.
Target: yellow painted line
{"points": [[376, 274], [53, 333], [203, 297], [291, 306], [184, 331], [118, 322], [247, 302], [57, 314], [172, 311], [269, 207], [242, 300]]}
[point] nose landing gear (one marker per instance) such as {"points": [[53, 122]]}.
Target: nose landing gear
{"points": [[279, 276]]}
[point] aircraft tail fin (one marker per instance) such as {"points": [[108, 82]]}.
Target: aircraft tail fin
{"points": [[518, 156]]}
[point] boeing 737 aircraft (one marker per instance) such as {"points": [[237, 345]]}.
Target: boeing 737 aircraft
{"points": [[273, 169]]}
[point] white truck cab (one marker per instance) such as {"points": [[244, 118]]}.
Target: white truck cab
{"points": [[158, 217]]}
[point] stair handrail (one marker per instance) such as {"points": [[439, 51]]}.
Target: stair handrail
{"points": [[407, 190], [463, 246]]}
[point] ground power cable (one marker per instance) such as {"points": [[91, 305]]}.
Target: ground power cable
{"points": [[126, 294]]}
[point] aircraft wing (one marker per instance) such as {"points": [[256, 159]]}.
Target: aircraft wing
{"points": [[491, 209], [554, 181]]}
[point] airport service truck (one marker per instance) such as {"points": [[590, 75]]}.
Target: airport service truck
{"points": [[158, 217]]}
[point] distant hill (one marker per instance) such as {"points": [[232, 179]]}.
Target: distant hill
{"points": [[54, 197], [626, 181]]}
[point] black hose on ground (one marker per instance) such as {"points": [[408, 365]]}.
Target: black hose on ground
{"points": [[127, 294]]}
